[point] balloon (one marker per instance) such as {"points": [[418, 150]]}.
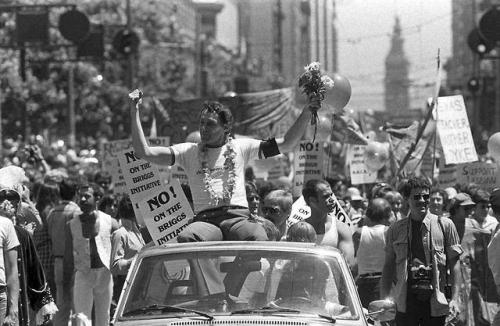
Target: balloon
{"points": [[324, 127], [494, 146], [376, 155], [339, 95], [193, 137]]}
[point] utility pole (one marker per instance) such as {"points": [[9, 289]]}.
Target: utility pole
{"points": [[130, 66], [71, 105], [1, 125], [22, 74]]}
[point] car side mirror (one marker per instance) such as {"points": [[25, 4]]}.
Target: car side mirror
{"points": [[382, 310]]}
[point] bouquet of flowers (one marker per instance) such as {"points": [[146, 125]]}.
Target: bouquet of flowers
{"points": [[314, 85]]}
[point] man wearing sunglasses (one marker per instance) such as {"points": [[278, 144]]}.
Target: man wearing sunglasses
{"points": [[419, 251]]}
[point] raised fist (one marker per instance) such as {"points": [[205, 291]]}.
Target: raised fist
{"points": [[136, 96]]}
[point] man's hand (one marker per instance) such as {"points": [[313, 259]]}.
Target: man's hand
{"points": [[314, 103], [136, 96], [12, 319], [454, 309]]}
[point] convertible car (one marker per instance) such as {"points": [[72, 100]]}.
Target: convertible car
{"points": [[242, 283]]}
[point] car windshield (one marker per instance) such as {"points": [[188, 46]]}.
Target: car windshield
{"points": [[240, 282]]}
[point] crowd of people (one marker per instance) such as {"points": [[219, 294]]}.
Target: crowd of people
{"points": [[69, 240]]}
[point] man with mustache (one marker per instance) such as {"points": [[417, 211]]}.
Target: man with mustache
{"points": [[329, 230]]}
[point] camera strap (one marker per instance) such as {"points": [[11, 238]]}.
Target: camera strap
{"points": [[445, 246], [410, 236]]}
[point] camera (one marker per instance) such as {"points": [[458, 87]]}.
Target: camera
{"points": [[30, 151], [420, 279]]}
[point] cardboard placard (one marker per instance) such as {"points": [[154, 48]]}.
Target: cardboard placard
{"points": [[485, 175], [454, 130], [308, 164], [360, 174], [167, 212]]}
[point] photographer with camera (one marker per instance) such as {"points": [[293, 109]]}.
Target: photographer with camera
{"points": [[420, 250]]}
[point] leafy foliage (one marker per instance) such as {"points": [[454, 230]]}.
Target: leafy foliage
{"points": [[101, 105]]}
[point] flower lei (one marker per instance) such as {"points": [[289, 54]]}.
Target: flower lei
{"points": [[229, 165], [314, 84]]}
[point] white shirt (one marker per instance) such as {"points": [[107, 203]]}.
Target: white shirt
{"points": [[8, 241], [371, 251], [187, 155], [494, 257]]}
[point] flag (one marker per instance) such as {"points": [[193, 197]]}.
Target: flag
{"points": [[153, 132], [401, 141], [158, 107], [347, 131]]}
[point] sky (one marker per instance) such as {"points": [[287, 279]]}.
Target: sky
{"points": [[364, 30]]}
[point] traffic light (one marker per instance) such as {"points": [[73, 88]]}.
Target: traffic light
{"points": [[74, 25], [126, 42], [478, 43], [32, 25], [473, 85], [489, 24]]}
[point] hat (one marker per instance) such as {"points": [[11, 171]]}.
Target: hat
{"points": [[452, 192], [495, 197], [463, 199], [353, 193]]}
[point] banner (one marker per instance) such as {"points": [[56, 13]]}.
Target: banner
{"points": [[308, 164], [167, 212], [358, 170], [454, 130]]}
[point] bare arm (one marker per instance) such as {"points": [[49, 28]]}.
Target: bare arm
{"points": [[455, 277], [158, 154], [12, 278], [296, 131], [346, 245], [388, 273]]}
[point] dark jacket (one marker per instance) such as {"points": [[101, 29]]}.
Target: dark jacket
{"points": [[34, 290]]}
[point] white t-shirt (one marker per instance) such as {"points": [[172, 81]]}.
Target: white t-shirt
{"points": [[187, 156], [8, 241]]}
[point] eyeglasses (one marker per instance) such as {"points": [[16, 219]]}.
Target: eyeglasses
{"points": [[425, 197], [9, 195], [270, 210]]}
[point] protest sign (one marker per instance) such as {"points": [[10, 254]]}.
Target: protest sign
{"points": [[485, 175], [308, 164], [167, 212], [301, 211], [358, 170], [454, 130], [140, 176], [117, 180], [109, 154]]}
